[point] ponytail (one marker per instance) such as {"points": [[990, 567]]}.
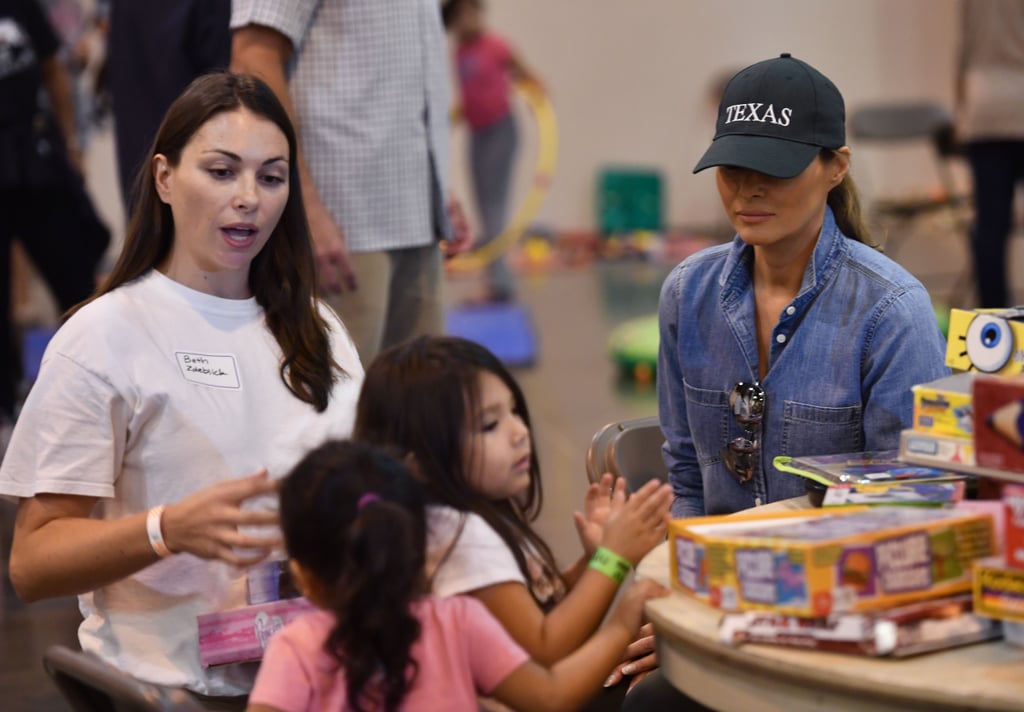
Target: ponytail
{"points": [[376, 628], [354, 518], [844, 200]]}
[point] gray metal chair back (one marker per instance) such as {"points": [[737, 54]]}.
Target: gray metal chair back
{"points": [[925, 122], [629, 449], [91, 685]]}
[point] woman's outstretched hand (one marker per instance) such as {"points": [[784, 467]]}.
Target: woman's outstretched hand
{"points": [[206, 524], [639, 660]]}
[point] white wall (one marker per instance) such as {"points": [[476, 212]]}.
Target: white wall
{"points": [[630, 80]]}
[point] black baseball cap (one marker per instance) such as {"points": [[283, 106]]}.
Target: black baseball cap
{"points": [[774, 118]]}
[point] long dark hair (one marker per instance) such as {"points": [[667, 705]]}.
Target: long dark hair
{"points": [[282, 277], [354, 518], [844, 200], [420, 398]]}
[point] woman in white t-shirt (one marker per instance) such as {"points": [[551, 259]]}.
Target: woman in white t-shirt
{"points": [[168, 404]]}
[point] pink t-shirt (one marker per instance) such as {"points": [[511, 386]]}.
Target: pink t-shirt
{"points": [[483, 66], [462, 652]]}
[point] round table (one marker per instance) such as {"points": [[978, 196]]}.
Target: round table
{"points": [[984, 676]]}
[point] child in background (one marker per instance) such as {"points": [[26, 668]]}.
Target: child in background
{"points": [[452, 408], [354, 523], [484, 64]]}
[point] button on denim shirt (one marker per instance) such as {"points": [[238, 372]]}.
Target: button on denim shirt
{"points": [[844, 356]]}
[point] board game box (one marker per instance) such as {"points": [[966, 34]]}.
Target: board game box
{"points": [[830, 561]]}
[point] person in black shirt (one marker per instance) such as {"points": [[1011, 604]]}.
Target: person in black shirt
{"points": [[43, 202]]}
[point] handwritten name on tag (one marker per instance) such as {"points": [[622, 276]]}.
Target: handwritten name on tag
{"points": [[217, 370]]}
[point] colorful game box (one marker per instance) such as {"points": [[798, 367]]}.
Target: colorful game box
{"points": [[999, 436], [241, 634], [986, 340], [922, 627], [1013, 541], [943, 407], [936, 450], [688, 561], [998, 590], [832, 561]]}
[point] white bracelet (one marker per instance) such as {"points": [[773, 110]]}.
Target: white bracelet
{"points": [[155, 532]]}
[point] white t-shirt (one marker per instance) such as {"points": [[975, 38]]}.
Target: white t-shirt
{"points": [[145, 396], [465, 554]]}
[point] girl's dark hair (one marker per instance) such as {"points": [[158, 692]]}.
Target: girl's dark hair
{"points": [[421, 398], [844, 200], [354, 518], [450, 9], [282, 276]]}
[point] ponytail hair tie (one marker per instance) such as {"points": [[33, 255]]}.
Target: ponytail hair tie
{"points": [[368, 498]]}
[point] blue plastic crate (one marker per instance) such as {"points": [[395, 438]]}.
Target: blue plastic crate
{"points": [[33, 344], [505, 329]]}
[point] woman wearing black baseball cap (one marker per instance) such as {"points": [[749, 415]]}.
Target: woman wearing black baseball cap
{"points": [[798, 337]]}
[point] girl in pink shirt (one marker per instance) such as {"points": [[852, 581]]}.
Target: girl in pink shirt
{"points": [[485, 64], [354, 523]]}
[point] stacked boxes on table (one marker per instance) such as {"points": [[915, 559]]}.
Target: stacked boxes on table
{"points": [[838, 579], [999, 580], [943, 428], [973, 418], [999, 435], [814, 563]]}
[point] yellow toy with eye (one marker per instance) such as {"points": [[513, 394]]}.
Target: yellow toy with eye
{"points": [[986, 340]]}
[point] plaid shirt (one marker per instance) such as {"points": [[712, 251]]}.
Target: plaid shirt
{"points": [[369, 82]]}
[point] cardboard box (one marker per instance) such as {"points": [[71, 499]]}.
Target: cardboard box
{"points": [[943, 407], [1013, 541], [834, 561], [986, 340], [998, 590], [936, 450], [999, 426], [688, 562], [241, 634]]}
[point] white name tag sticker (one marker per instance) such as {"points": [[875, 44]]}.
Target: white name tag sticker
{"points": [[217, 370]]}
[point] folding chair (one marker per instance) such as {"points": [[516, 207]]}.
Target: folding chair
{"points": [[932, 123], [629, 449], [91, 685]]}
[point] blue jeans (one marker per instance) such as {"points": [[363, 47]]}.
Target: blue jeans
{"points": [[492, 153], [997, 167]]}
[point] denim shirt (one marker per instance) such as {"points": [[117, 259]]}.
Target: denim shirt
{"points": [[843, 358]]}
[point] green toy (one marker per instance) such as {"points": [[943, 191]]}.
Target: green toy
{"points": [[634, 346]]}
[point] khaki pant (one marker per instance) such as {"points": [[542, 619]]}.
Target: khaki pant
{"points": [[399, 296]]}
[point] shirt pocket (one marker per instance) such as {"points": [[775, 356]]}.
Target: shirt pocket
{"points": [[707, 413], [821, 430]]}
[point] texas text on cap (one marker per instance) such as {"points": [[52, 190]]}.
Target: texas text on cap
{"points": [[774, 118]]}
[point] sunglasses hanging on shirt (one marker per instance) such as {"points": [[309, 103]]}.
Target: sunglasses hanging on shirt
{"points": [[740, 455]]}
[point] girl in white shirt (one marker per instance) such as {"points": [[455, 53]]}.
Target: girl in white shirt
{"points": [[458, 415]]}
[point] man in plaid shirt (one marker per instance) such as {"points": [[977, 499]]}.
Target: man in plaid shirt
{"points": [[366, 84]]}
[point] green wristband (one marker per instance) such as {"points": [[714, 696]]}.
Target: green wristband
{"points": [[610, 564]]}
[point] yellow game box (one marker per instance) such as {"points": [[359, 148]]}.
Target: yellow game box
{"points": [[943, 407], [823, 562], [998, 590]]}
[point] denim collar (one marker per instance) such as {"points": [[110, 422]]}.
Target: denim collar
{"points": [[736, 275]]}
